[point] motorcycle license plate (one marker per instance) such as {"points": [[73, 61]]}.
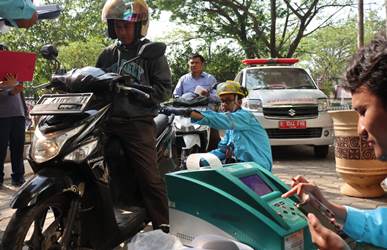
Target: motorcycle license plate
{"points": [[51, 104], [292, 124]]}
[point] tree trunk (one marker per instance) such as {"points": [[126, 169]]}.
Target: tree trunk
{"points": [[360, 24], [385, 8], [273, 17]]}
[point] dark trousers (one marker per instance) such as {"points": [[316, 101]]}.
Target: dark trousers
{"points": [[137, 175], [12, 134]]}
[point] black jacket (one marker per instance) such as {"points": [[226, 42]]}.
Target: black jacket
{"points": [[154, 73]]}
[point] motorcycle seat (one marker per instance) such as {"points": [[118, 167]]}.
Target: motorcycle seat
{"points": [[161, 121]]}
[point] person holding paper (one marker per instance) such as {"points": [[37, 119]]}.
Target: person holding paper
{"points": [[197, 81], [19, 13], [12, 128]]}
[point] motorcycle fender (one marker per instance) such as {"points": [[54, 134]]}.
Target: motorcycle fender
{"points": [[190, 140], [38, 188]]}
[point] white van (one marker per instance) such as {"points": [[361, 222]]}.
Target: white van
{"points": [[288, 103]]}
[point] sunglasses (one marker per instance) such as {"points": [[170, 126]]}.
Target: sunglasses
{"points": [[227, 101]]}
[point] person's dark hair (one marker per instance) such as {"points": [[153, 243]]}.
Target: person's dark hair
{"points": [[368, 68], [197, 55], [3, 47]]}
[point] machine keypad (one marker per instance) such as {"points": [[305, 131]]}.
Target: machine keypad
{"points": [[283, 209]]}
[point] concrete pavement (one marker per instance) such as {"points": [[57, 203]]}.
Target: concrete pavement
{"points": [[288, 162]]}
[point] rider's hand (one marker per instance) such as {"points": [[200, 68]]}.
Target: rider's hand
{"points": [[324, 238], [182, 112]]}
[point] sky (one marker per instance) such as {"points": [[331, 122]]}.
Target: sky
{"points": [[159, 28]]}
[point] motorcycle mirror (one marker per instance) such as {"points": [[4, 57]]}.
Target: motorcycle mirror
{"points": [[49, 52], [152, 50]]}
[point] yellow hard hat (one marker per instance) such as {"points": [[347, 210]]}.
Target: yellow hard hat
{"points": [[231, 87], [127, 10]]}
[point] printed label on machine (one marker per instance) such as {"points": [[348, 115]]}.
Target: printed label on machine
{"points": [[295, 241]]}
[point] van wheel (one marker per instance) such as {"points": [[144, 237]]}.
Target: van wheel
{"points": [[321, 151]]}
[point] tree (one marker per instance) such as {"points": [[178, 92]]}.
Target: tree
{"points": [[328, 50], [262, 28], [222, 61], [78, 23]]}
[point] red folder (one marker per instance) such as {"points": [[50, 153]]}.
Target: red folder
{"points": [[20, 63]]}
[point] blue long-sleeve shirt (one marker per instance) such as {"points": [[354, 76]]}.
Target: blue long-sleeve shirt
{"points": [[16, 9], [243, 130], [367, 225], [187, 83]]}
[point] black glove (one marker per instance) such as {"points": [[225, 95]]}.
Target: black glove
{"points": [[176, 111]]}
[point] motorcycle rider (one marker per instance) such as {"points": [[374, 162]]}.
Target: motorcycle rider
{"points": [[245, 139], [131, 127]]}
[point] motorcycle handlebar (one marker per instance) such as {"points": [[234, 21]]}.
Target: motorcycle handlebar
{"points": [[132, 90], [44, 85], [186, 112]]}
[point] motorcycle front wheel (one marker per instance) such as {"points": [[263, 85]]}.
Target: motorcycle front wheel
{"points": [[41, 226]]}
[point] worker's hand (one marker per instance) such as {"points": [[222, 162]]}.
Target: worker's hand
{"points": [[26, 23], [301, 186], [324, 238]]}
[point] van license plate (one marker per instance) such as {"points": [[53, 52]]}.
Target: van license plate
{"points": [[292, 124]]}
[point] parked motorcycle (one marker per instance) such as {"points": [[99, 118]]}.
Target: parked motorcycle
{"points": [[68, 203], [190, 138]]}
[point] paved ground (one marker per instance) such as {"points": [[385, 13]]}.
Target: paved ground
{"points": [[288, 162], [291, 161]]}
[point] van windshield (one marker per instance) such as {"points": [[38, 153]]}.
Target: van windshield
{"points": [[278, 78]]}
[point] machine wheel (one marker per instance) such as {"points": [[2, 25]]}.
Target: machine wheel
{"points": [[41, 226], [321, 151]]}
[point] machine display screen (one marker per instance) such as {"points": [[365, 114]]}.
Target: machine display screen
{"points": [[255, 183]]}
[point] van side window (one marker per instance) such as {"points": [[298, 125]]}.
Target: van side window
{"points": [[239, 78]]}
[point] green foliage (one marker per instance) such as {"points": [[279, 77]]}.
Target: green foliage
{"points": [[78, 29], [177, 55], [222, 62], [225, 63], [80, 54], [329, 50], [261, 28]]}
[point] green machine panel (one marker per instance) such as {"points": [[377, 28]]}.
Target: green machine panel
{"points": [[239, 201]]}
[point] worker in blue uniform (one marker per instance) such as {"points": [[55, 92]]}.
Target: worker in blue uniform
{"points": [[367, 81]]}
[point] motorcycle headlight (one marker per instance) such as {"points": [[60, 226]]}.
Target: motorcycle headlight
{"points": [[82, 152], [323, 104], [253, 104], [45, 147]]}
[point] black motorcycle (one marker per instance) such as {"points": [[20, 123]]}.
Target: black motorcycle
{"points": [[68, 203]]}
